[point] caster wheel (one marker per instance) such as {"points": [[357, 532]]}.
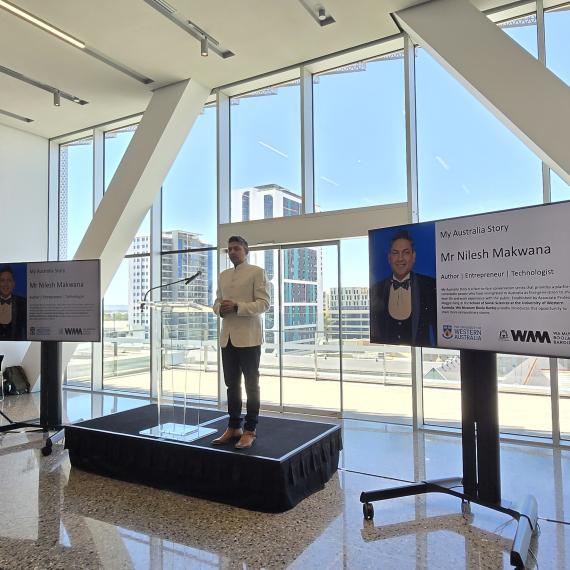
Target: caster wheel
{"points": [[465, 508], [368, 511]]}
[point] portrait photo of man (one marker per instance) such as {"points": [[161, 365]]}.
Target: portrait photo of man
{"points": [[403, 305], [13, 308]]}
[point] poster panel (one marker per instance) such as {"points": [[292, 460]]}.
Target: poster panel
{"points": [[498, 282], [504, 281], [64, 301]]}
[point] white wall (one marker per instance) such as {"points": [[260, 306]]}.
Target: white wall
{"points": [[24, 218]]}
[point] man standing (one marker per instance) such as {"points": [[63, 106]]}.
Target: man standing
{"points": [[13, 308], [403, 307], [242, 297]]}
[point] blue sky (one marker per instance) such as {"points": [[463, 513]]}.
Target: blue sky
{"points": [[468, 162]]}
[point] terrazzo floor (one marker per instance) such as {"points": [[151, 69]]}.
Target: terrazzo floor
{"points": [[53, 516]]}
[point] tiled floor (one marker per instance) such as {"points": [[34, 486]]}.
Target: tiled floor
{"points": [[53, 516]]}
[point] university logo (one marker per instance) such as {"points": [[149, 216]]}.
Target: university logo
{"points": [[503, 335], [531, 336], [447, 331]]}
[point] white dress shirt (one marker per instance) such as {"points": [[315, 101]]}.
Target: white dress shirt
{"points": [[247, 286]]}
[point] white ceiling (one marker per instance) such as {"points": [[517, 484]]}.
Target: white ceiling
{"points": [[265, 35]]}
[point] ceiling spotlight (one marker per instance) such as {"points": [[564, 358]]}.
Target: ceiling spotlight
{"points": [[56, 99], [321, 14], [204, 46]]}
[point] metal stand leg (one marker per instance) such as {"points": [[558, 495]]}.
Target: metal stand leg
{"points": [[481, 482], [50, 398]]}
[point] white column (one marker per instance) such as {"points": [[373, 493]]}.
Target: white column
{"points": [[517, 88], [147, 160]]}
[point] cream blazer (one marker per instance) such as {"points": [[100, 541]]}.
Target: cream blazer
{"points": [[247, 286]]}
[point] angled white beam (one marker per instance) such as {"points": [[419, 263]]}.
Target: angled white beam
{"points": [[526, 96], [145, 164]]}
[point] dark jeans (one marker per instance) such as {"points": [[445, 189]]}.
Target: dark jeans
{"points": [[236, 360]]}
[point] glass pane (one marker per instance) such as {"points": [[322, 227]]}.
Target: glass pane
{"points": [[192, 180], [126, 329], [376, 377], [310, 354], [269, 377], [360, 134], [116, 143], [524, 394], [78, 371], [524, 390], [189, 335], [75, 194], [557, 26], [266, 153], [468, 162], [558, 188], [442, 387], [564, 388], [523, 30], [141, 242]]}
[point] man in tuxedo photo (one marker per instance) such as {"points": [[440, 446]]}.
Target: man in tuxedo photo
{"points": [[13, 308], [403, 307]]}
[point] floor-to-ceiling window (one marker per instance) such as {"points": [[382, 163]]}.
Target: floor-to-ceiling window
{"points": [[266, 152], [126, 323], [360, 134], [310, 346], [75, 213], [469, 163], [126, 327], [188, 325], [557, 28], [377, 378], [116, 143]]}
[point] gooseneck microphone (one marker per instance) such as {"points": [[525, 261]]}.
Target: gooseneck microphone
{"points": [[186, 281]]}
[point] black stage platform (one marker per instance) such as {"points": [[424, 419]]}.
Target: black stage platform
{"points": [[290, 459]]}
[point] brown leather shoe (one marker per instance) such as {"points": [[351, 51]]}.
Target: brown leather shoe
{"points": [[227, 436], [246, 440]]}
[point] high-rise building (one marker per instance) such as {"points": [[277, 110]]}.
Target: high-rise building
{"points": [[355, 305], [175, 266], [302, 276]]}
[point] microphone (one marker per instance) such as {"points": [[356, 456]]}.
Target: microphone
{"points": [[186, 281], [190, 279]]}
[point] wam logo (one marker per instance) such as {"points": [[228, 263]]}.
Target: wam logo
{"points": [[531, 336], [447, 331], [503, 335], [75, 331]]}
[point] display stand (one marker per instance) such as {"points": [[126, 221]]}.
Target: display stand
{"points": [[50, 398], [176, 355], [481, 482]]}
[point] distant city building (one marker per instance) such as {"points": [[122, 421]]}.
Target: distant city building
{"points": [[302, 293], [178, 325], [355, 306]]}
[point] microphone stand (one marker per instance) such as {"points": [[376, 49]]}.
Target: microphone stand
{"points": [[185, 280]]}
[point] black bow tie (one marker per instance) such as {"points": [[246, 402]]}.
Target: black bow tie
{"points": [[397, 284], [6, 301]]}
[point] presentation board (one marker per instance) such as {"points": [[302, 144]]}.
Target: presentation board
{"points": [[55, 300], [498, 282]]}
